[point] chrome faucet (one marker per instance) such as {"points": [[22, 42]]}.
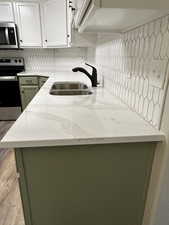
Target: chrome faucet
{"points": [[92, 77]]}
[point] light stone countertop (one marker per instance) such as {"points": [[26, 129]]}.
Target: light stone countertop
{"points": [[74, 120], [37, 73]]}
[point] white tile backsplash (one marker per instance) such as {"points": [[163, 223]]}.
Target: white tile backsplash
{"points": [[49, 59], [135, 66]]}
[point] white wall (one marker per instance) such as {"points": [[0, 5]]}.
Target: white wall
{"points": [[159, 213]]}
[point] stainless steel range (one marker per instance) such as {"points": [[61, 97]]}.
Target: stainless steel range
{"points": [[10, 101]]}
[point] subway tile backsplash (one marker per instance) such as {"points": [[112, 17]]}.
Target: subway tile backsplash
{"points": [[135, 66]]}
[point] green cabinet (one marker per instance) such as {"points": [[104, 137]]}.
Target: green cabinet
{"points": [[42, 80], [85, 185], [28, 80], [27, 94], [29, 86]]}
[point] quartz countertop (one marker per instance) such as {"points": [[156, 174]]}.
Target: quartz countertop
{"points": [[74, 120], [38, 73]]}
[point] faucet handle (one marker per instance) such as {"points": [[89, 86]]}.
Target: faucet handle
{"points": [[90, 65], [94, 69]]}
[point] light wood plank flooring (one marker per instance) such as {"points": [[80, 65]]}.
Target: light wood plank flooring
{"points": [[10, 202]]}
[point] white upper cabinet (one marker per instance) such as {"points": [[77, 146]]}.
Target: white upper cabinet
{"points": [[55, 27], [80, 9], [29, 24], [117, 15], [69, 23], [6, 12]]}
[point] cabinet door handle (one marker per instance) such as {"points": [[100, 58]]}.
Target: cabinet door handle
{"points": [[21, 41], [46, 40]]}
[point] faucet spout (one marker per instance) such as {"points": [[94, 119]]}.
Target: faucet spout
{"points": [[80, 69]]}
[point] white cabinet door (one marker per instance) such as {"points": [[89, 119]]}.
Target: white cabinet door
{"points": [[28, 19], [69, 23], [79, 10], [6, 12], [55, 23]]}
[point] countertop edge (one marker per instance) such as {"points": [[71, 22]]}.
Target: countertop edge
{"points": [[115, 140]]}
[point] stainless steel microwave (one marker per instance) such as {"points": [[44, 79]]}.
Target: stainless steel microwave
{"points": [[8, 36]]}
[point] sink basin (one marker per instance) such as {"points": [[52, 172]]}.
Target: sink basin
{"points": [[69, 85], [69, 88], [71, 92]]}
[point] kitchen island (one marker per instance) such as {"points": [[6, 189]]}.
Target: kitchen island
{"points": [[82, 160]]}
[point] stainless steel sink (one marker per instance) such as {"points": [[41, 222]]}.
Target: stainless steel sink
{"points": [[69, 85], [69, 88], [71, 92]]}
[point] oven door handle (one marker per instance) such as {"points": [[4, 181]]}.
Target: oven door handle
{"points": [[7, 35], [8, 78]]}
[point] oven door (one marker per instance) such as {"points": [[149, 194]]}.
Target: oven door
{"points": [[8, 36], [10, 101]]}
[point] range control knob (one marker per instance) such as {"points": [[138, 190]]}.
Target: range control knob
{"points": [[16, 60]]}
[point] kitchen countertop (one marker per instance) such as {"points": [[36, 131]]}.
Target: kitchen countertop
{"points": [[37, 73], [74, 120]]}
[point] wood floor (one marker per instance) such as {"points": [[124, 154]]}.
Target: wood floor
{"points": [[10, 202]]}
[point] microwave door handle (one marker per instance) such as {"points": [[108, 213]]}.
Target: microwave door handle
{"points": [[7, 35]]}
